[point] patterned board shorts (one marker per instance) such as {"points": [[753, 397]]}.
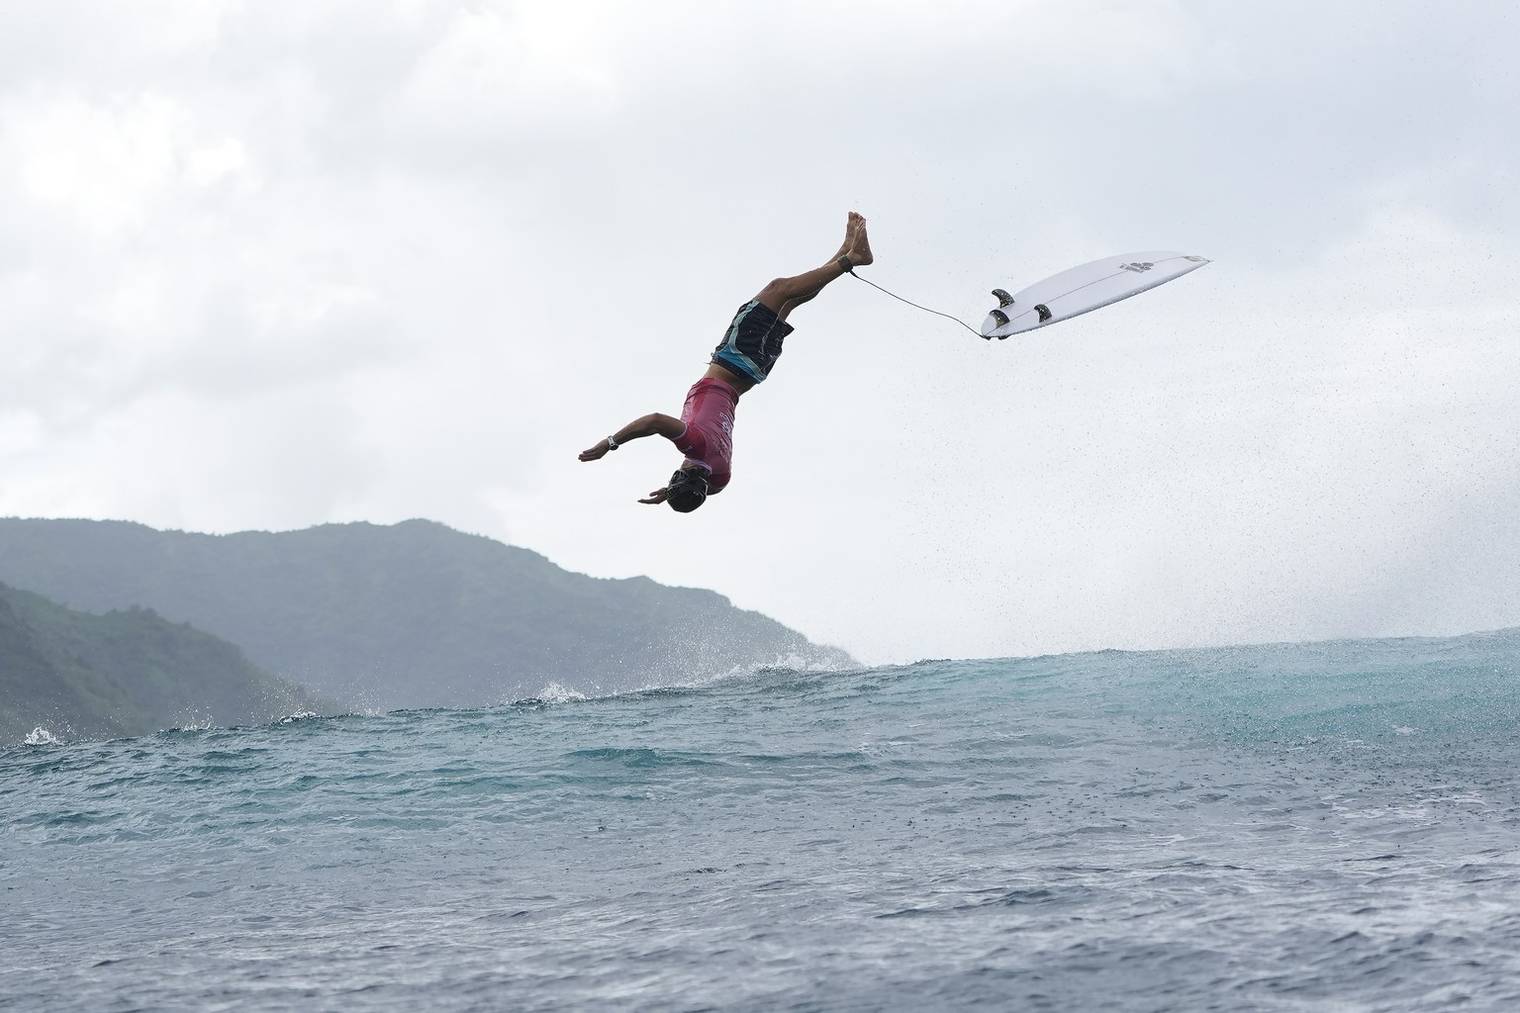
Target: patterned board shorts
{"points": [[753, 342]]}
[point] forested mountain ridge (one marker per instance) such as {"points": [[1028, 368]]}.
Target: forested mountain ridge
{"points": [[128, 672], [411, 614]]}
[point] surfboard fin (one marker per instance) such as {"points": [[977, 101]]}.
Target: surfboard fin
{"points": [[1003, 298], [1043, 311], [1000, 317]]}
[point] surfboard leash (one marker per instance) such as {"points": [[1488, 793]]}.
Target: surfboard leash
{"points": [[916, 306]]}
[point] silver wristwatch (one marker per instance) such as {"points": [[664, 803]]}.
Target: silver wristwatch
{"points": [[611, 443]]}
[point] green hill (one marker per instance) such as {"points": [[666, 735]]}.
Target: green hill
{"points": [[413, 614], [124, 673]]}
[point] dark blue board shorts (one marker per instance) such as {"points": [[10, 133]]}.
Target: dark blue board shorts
{"points": [[753, 342]]}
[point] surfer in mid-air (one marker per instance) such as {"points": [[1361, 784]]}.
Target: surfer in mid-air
{"points": [[745, 357]]}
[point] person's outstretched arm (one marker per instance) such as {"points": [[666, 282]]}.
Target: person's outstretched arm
{"points": [[653, 424]]}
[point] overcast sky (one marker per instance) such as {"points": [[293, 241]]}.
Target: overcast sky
{"points": [[271, 264]]}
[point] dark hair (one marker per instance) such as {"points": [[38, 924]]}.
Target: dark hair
{"points": [[687, 490]]}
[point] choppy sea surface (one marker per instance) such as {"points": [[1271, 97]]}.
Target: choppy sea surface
{"points": [[1295, 827]]}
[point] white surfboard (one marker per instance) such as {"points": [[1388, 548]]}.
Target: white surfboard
{"points": [[1083, 289]]}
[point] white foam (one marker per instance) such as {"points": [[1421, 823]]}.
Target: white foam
{"points": [[556, 693], [40, 736]]}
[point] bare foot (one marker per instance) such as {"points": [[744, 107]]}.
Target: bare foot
{"points": [[851, 225], [860, 250]]}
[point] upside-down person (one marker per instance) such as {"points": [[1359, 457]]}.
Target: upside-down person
{"points": [[745, 357]]}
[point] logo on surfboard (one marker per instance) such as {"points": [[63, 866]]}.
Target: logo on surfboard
{"points": [[1138, 266]]}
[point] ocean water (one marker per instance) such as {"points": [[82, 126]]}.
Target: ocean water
{"points": [[1328, 826]]}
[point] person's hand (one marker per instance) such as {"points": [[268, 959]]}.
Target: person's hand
{"points": [[595, 453], [658, 496]]}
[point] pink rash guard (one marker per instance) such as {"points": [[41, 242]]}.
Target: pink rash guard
{"points": [[708, 439]]}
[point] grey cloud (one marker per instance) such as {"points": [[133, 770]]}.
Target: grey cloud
{"points": [[409, 258]]}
